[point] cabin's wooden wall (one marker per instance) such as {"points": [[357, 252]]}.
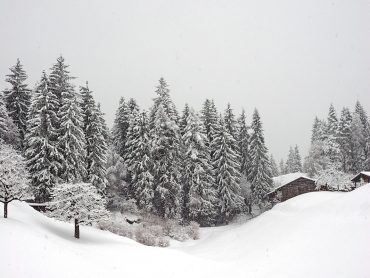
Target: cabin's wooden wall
{"points": [[295, 188]]}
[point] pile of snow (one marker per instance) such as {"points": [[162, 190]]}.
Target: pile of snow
{"points": [[318, 234], [285, 179]]}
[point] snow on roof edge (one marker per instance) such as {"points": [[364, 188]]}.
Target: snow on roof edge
{"points": [[366, 173], [283, 180]]}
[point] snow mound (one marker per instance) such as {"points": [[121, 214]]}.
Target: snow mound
{"points": [[318, 234]]}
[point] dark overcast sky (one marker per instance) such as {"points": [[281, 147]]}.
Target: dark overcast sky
{"points": [[288, 58]]}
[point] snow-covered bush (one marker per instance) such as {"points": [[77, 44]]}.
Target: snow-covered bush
{"points": [[145, 237], [118, 228], [152, 230], [80, 202], [193, 230], [333, 179], [13, 176]]}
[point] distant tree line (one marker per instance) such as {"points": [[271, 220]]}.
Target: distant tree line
{"points": [[341, 144]]}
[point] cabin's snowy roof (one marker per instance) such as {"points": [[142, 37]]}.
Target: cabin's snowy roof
{"points": [[282, 180], [366, 173]]}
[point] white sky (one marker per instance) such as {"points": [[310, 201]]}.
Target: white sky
{"points": [[288, 58]]}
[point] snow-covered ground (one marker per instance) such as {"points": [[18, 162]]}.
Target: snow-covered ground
{"points": [[320, 234]]}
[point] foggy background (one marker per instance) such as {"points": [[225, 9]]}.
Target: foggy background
{"points": [[290, 59]]}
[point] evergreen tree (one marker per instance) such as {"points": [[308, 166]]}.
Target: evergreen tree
{"points": [[260, 174], [357, 139], [43, 156], [210, 119], [226, 165], [184, 118], [230, 122], [105, 129], [332, 127], [331, 142], [318, 130], [274, 167], [125, 113], [290, 167], [18, 98], [115, 176], [365, 130], [165, 142], [8, 130], [199, 192], [297, 160], [94, 130], [59, 80], [71, 141], [140, 163], [344, 139], [316, 161], [163, 98], [282, 167], [243, 144]]}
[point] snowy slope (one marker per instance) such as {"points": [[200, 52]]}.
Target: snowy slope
{"points": [[319, 234]]}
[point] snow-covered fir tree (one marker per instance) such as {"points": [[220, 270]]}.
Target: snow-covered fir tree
{"points": [[9, 132], [357, 143], [365, 142], [78, 202], [318, 130], [14, 177], [209, 118], [140, 163], [344, 139], [316, 160], [243, 144], [184, 118], [260, 175], [298, 160], [294, 161], [226, 165], [282, 169], [290, 161], [199, 191], [71, 139], [274, 167], [42, 153], [332, 146], [163, 98], [125, 113], [230, 122], [18, 98], [60, 80], [116, 172], [120, 127], [95, 141], [165, 143]]}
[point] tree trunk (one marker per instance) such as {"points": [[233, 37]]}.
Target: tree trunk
{"points": [[6, 210], [77, 229]]}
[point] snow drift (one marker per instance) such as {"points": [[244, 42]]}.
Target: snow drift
{"points": [[320, 234]]}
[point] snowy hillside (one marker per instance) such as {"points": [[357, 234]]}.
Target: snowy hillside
{"points": [[320, 234]]}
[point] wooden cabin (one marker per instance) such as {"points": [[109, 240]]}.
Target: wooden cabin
{"points": [[361, 178], [291, 185]]}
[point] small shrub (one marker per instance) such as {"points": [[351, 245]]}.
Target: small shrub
{"points": [[163, 242], [170, 227], [145, 237], [193, 230]]}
